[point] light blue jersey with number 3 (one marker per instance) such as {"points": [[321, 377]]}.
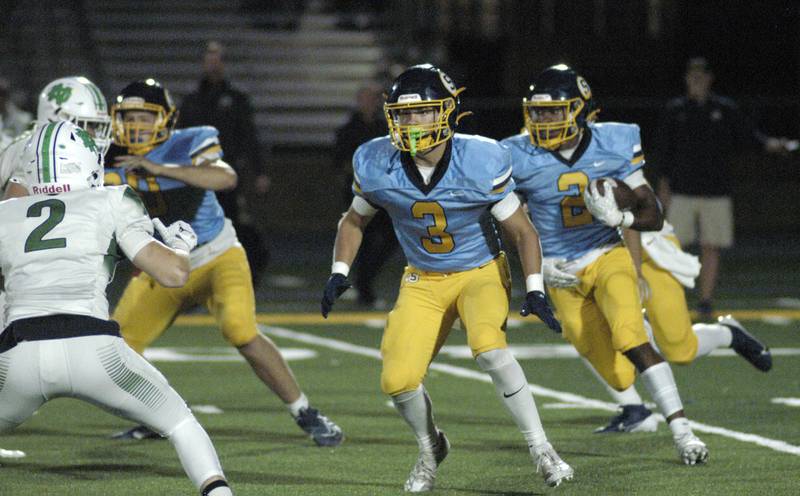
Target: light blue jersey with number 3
{"points": [[444, 226]]}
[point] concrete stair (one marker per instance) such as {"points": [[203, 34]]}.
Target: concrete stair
{"points": [[302, 82]]}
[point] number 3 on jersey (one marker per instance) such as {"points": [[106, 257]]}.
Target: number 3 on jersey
{"points": [[573, 210], [439, 240]]}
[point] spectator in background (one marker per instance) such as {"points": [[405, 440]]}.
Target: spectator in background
{"points": [[13, 120], [217, 103], [700, 134], [365, 122]]}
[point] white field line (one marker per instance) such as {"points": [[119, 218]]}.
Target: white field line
{"points": [[562, 396]]}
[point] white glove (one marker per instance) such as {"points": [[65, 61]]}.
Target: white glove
{"points": [[179, 235], [555, 277], [604, 207]]}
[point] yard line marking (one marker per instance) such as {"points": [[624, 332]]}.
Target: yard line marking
{"points": [[786, 401], [562, 396], [555, 351]]}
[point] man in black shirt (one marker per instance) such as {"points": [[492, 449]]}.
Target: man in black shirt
{"points": [[217, 103], [700, 134], [365, 122]]}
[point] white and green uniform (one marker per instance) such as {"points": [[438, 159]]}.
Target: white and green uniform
{"points": [[57, 254], [10, 166]]}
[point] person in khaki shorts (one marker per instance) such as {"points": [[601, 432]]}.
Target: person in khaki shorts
{"points": [[699, 136]]}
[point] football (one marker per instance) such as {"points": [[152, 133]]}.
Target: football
{"points": [[623, 194]]}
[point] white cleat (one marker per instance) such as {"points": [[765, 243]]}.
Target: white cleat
{"points": [[423, 475], [691, 449], [551, 466]]}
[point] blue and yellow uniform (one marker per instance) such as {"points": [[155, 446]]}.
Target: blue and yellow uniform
{"points": [[602, 316], [220, 276], [455, 266]]}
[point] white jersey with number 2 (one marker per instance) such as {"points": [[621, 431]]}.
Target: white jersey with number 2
{"points": [[58, 252]]}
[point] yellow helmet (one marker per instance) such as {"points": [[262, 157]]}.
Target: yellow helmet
{"points": [[148, 96]]}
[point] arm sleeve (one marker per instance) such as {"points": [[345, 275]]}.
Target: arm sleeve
{"points": [[503, 209], [363, 207], [132, 226]]}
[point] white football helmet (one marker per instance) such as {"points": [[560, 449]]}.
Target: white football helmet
{"points": [[80, 101], [61, 157]]}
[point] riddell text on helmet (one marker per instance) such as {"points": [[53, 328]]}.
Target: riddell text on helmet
{"points": [[51, 188]]}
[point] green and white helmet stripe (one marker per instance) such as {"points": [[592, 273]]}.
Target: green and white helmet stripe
{"points": [[61, 157], [99, 99], [45, 152]]}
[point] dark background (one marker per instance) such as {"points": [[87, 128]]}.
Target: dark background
{"points": [[632, 52]]}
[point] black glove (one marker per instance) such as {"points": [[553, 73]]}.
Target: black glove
{"points": [[336, 285], [536, 303]]}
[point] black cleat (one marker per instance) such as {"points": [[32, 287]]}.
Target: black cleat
{"points": [[321, 429], [137, 434], [634, 418], [746, 345]]}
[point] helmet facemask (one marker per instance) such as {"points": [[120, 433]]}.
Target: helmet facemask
{"points": [[545, 132], [141, 137], [415, 137]]}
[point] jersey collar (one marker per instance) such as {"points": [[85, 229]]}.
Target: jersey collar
{"points": [[415, 177], [586, 140]]}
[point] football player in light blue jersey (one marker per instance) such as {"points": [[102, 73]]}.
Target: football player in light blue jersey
{"points": [[558, 162], [445, 192], [176, 174]]}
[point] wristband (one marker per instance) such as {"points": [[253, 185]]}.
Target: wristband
{"points": [[534, 282], [340, 268], [627, 219]]}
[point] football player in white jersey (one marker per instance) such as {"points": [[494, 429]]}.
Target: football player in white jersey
{"points": [[74, 99], [57, 252]]}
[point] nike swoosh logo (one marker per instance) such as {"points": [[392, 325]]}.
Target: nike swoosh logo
{"points": [[505, 395], [598, 164]]}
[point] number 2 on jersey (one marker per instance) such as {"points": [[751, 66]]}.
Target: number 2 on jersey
{"points": [[573, 210], [440, 241], [35, 240]]}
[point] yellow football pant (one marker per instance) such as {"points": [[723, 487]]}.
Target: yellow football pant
{"points": [[602, 317], [426, 308], [224, 285], [668, 313]]}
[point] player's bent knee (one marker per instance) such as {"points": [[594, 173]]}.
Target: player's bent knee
{"points": [[238, 334], [394, 382]]}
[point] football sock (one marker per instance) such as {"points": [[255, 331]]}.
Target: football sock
{"points": [[660, 384], [710, 337], [680, 427], [217, 488], [627, 397], [417, 410], [297, 405], [197, 454], [512, 389]]}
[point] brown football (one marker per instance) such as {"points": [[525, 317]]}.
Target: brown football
{"points": [[623, 194]]}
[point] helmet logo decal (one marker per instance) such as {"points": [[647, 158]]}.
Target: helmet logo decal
{"points": [[59, 93], [448, 83], [88, 142], [583, 87]]}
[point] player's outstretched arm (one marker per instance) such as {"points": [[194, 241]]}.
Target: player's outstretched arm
{"points": [[169, 265], [214, 175], [519, 229], [349, 235]]}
